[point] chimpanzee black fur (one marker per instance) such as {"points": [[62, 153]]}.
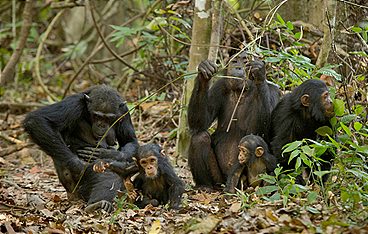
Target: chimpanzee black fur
{"points": [[254, 159], [297, 116], [74, 126], [211, 157]]}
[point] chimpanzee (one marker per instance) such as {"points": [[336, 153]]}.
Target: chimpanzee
{"points": [[254, 159], [156, 179], [297, 116], [75, 125], [211, 157]]}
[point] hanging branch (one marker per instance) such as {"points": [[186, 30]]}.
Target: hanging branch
{"points": [[92, 9], [38, 54], [9, 70]]}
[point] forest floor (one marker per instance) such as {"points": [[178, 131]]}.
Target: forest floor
{"points": [[33, 201]]}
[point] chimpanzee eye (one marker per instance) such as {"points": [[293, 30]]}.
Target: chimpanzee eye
{"points": [[143, 162]]}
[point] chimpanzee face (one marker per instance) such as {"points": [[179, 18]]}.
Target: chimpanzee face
{"points": [[101, 122], [237, 66], [327, 104], [249, 148], [150, 166], [244, 154], [104, 106]]}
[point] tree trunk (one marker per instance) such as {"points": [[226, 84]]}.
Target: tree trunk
{"points": [[329, 23], [201, 35]]}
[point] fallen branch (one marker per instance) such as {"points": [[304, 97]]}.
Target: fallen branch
{"points": [[10, 139], [15, 148]]}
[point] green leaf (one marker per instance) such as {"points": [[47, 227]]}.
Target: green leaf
{"points": [[346, 119], [293, 154], [292, 146], [312, 197], [272, 59], [358, 109], [339, 107], [290, 25], [344, 196], [298, 163], [267, 189], [321, 173], [312, 210], [358, 126], [234, 4], [329, 72], [356, 29], [268, 178], [307, 150], [298, 35], [358, 173], [183, 22], [363, 149], [280, 19], [365, 35], [306, 160], [324, 131], [277, 171], [156, 23], [275, 197], [346, 129]]}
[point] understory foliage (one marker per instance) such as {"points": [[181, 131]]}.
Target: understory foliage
{"points": [[347, 187]]}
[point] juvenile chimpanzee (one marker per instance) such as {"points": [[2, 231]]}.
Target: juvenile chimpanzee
{"points": [[254, 159], [75, 125], [297, 116], [156, 180], [211, 157]]}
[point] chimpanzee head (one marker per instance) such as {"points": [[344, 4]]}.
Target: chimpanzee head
{"points": [[254, 153], [237, 65], [148, 160], [104, 106], [250, 147], [313, 100]]}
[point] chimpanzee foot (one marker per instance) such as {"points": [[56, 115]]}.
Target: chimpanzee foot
{"points": [[100, 205]]}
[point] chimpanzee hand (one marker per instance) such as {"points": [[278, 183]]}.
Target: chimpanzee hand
{"points": [[91, 153], [206, 69], [257, 70], [132, 192], [100, 166], [100, 205]]}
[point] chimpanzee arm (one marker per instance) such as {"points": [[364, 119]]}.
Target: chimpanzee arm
{"points": [[128, 143], [123, 168], [234, 176], [176, 185], [204, 104], [46, 125]]}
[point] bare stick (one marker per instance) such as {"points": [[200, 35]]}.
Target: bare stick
{"points": [[9, 70]]}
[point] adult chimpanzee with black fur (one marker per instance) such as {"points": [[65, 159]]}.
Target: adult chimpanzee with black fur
{"points": [[77, 123], [157, 180], [254, 159], [297, 116], [211, 157]]}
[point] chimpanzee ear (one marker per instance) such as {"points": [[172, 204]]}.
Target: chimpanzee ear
{"points": [[305, 100], [259, 151]]}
